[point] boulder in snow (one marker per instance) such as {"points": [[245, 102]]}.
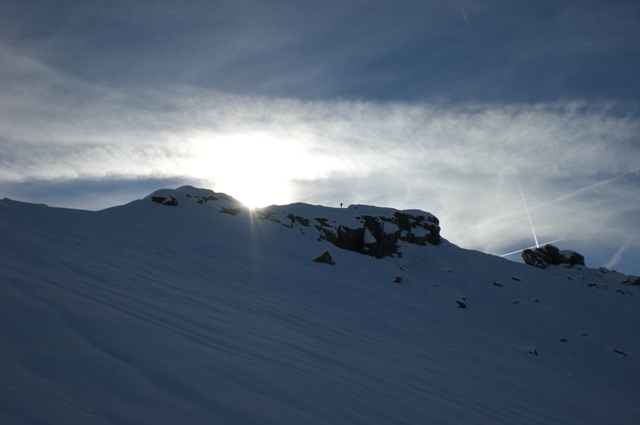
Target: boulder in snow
{"points": [[550, 255], [326, 258]]}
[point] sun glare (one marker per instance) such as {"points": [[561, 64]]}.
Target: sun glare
{"points": [[256, 194], [253, 168]]}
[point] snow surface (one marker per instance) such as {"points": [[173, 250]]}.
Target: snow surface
{"points": [[156, 314]]}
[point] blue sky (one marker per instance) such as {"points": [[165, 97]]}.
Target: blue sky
{"points": [[438, 105]]}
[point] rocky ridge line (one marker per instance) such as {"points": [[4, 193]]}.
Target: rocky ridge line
{"points": [[364, 229]]}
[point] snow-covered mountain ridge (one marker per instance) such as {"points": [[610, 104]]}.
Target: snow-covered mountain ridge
{"points": [[208, 312], [369, 230]]}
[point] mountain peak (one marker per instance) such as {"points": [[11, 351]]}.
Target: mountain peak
{"points": [[366, 229]]}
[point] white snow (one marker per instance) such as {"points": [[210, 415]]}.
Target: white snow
{"points": [[148, 313], [368, 237]]}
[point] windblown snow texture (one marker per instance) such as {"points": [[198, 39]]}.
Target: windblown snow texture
{"points": [[195, 310]]}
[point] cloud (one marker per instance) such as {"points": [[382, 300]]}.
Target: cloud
{"points": [[464, 15], [617, 257], [406, 51], [576, 160], [87, 194]]}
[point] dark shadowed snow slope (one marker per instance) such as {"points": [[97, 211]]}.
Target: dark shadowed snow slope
{"points": [[157, 314]]}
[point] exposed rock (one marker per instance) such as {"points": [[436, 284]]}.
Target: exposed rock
{"points": [[302, 220], [572, 258], [189, 193], [397, 279], [231, 211], [636, 282], [263, 214], [325, 258], [498, 284], [323, 222], [461, 304], [205, 199], [549, 254], [379, 236], [374, 231], [171, 201]]}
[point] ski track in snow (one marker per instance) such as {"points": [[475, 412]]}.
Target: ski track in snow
{"points": [[147, 313]]}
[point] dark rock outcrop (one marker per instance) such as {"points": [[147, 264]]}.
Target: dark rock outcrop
{"points": [[377, 232], [171, 201], [205, 199], [374, 237], [325, 258], [550, 255], [230, 211]]}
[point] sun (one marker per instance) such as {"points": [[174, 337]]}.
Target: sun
{"points": [[256, 193], [255, 168]]}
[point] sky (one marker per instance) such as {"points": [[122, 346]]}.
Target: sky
{"points": [[446, 106]]}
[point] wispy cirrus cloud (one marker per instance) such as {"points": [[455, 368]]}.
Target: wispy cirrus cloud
{"points": [[577, 160], [412, 51]]}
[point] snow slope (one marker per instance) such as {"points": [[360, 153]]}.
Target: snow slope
{"points": [[158, 314]]}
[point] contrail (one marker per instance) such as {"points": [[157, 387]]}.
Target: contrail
{"points": [[520, 250], [566, 196], [618, 255], [530, 222], [593, 186], [464, 15]]}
